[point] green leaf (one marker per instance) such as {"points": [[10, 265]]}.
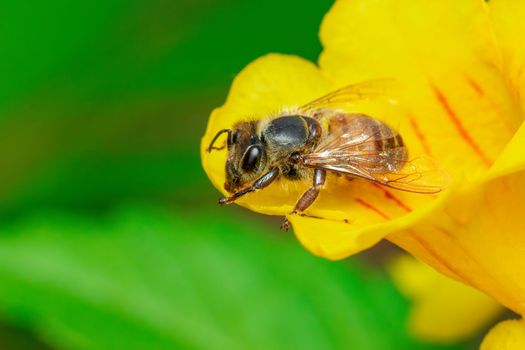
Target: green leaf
{"points": [[150, 279]]}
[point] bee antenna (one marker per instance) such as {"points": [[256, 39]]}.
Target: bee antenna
{"points": [[229, 131]]}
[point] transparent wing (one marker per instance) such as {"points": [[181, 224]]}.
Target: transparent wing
{"points": [[419, 175], [357, 155], [365, 90]]}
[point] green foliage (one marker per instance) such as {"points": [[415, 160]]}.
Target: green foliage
{"points": [[147, 279]]}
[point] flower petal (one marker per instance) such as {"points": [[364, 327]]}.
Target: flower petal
{"points": [[443, 310], [477, 238], [373, 218], [458, 108], [468, 238], [509, 28], [507, 335], [512, 158]]}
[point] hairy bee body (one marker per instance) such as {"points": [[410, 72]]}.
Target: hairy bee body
{"points": [[278, 139]]}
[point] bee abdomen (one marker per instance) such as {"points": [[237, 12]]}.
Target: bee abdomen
{"points": [[382, 148]]}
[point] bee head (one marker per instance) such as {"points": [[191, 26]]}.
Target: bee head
{"points": [[246, 155]]}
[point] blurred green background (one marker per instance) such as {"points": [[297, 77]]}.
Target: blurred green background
{"points": [[110, 237]]}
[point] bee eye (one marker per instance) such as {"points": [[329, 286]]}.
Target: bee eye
{"points": [[251, 158]]}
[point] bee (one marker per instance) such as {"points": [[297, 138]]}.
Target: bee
{"points": [[306, 142]]}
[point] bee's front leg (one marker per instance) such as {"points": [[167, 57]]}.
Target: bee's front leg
{"points": [[260, 183], [309, 197]]}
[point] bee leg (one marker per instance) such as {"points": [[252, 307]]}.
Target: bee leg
{"points": [[260, 183], [309, 197]]}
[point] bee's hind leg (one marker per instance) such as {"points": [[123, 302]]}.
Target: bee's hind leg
{"points": [[309, 197]]}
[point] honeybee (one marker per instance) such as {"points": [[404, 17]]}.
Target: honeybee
{"points": [[308, 141]]}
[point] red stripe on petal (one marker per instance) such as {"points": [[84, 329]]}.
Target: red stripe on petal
{"points": [[474, 85], [419, 134], [394, 199], [372, 208], [460, 127]]}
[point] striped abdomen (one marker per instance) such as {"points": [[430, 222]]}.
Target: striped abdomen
{"points": [[380, 149]]}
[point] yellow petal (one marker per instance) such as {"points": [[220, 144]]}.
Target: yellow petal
{"points": [[334, 240], [443, 310], [411, 277], [509, 28], [512, 158], [477, 238], [507, 335], [461, 110], [458, 107]]}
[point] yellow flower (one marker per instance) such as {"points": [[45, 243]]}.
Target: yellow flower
{"points": [[443, 310], [461, 66], [508, 335]]}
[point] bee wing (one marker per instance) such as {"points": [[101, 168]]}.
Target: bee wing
{"points": [[418, 175], [356, 92], [355, 155]]}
